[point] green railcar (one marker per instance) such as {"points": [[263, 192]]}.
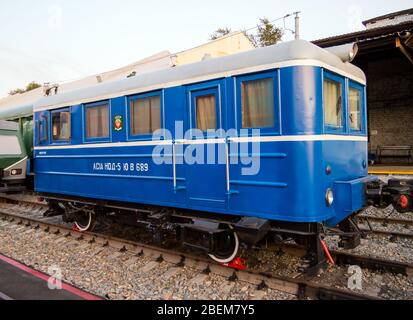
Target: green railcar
{"points": [[23, 115], [13, 158]]}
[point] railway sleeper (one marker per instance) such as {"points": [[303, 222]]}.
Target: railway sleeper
{"points": [[214, 235]]}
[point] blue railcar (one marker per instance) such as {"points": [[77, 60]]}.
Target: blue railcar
{"points": [[286, 125]]}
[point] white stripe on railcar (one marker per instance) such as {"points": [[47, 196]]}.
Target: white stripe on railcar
{"points": [[261, 139]]}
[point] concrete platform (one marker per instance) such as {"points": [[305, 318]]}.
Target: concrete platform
{"points": [[19, 282], [391, 170]]}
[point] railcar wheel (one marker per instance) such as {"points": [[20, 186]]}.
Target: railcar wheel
{"points": [[85, 221], [228, 249]]}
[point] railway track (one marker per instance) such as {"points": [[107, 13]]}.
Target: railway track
{"points": [[302, 288], [346, 258], [18, 200], [31, 206], [407, 223]]}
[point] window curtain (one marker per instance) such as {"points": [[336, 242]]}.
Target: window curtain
{"points": [[56, 123], [258, 104], [97, 122], [333, 105], [146, 115], [355, 109], [65, 125], [206, 112]]}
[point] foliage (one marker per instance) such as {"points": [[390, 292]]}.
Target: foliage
{"points": [[31, 86], [219, 33], [267, 34]]}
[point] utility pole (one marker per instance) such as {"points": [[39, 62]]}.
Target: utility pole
{"points": [[297, 25]]}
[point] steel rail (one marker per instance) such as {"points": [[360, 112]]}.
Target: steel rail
{"points": [[301, 288], [407, 222]]}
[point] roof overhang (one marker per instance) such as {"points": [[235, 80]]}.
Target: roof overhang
{"points": [[366, 35]]}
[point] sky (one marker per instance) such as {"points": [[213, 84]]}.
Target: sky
{"points": [[59, 41]]}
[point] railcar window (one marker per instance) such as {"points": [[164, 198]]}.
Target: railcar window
{"points": [[333, 103], [61, 125], [206, 112], [43, 132], [97, 121], [355, 108], [258, 103], [145, 115], [9, 145]]}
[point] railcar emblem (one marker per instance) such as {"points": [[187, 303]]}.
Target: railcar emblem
{"points": [[118, 123]]}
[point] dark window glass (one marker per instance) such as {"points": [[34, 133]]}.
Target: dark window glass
{"points": [[43, 129], [61, 125]]}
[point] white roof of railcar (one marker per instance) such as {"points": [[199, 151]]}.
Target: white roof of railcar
{"points": [[297, 52]]}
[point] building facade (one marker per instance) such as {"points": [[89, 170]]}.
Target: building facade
{"points": [[386, 56]]}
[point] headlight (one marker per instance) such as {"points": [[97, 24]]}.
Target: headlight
{"points": [[329, 198], [16, 172]]}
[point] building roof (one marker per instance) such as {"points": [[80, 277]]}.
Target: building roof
{"points": [[389, 16], [298, 52], [365, 35]]}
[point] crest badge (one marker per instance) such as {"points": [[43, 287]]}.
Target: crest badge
{"points": [[118, 123]]}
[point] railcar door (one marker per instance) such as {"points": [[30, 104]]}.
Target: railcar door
{"points": [[204, 153]]}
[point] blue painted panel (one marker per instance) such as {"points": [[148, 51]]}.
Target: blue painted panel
{"points": [[206, 183], [350, 196], [77, 124], [130, 174], [118, 109], [290, 185], [175, 101], [301, 100]]}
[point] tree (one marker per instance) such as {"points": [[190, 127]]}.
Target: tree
{"points": [[252, 38], [31, 86], [268, 34], [16, 91], [219, 33]]}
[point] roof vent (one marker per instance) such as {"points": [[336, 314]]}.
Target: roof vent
{"points": [[346, 52]]}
